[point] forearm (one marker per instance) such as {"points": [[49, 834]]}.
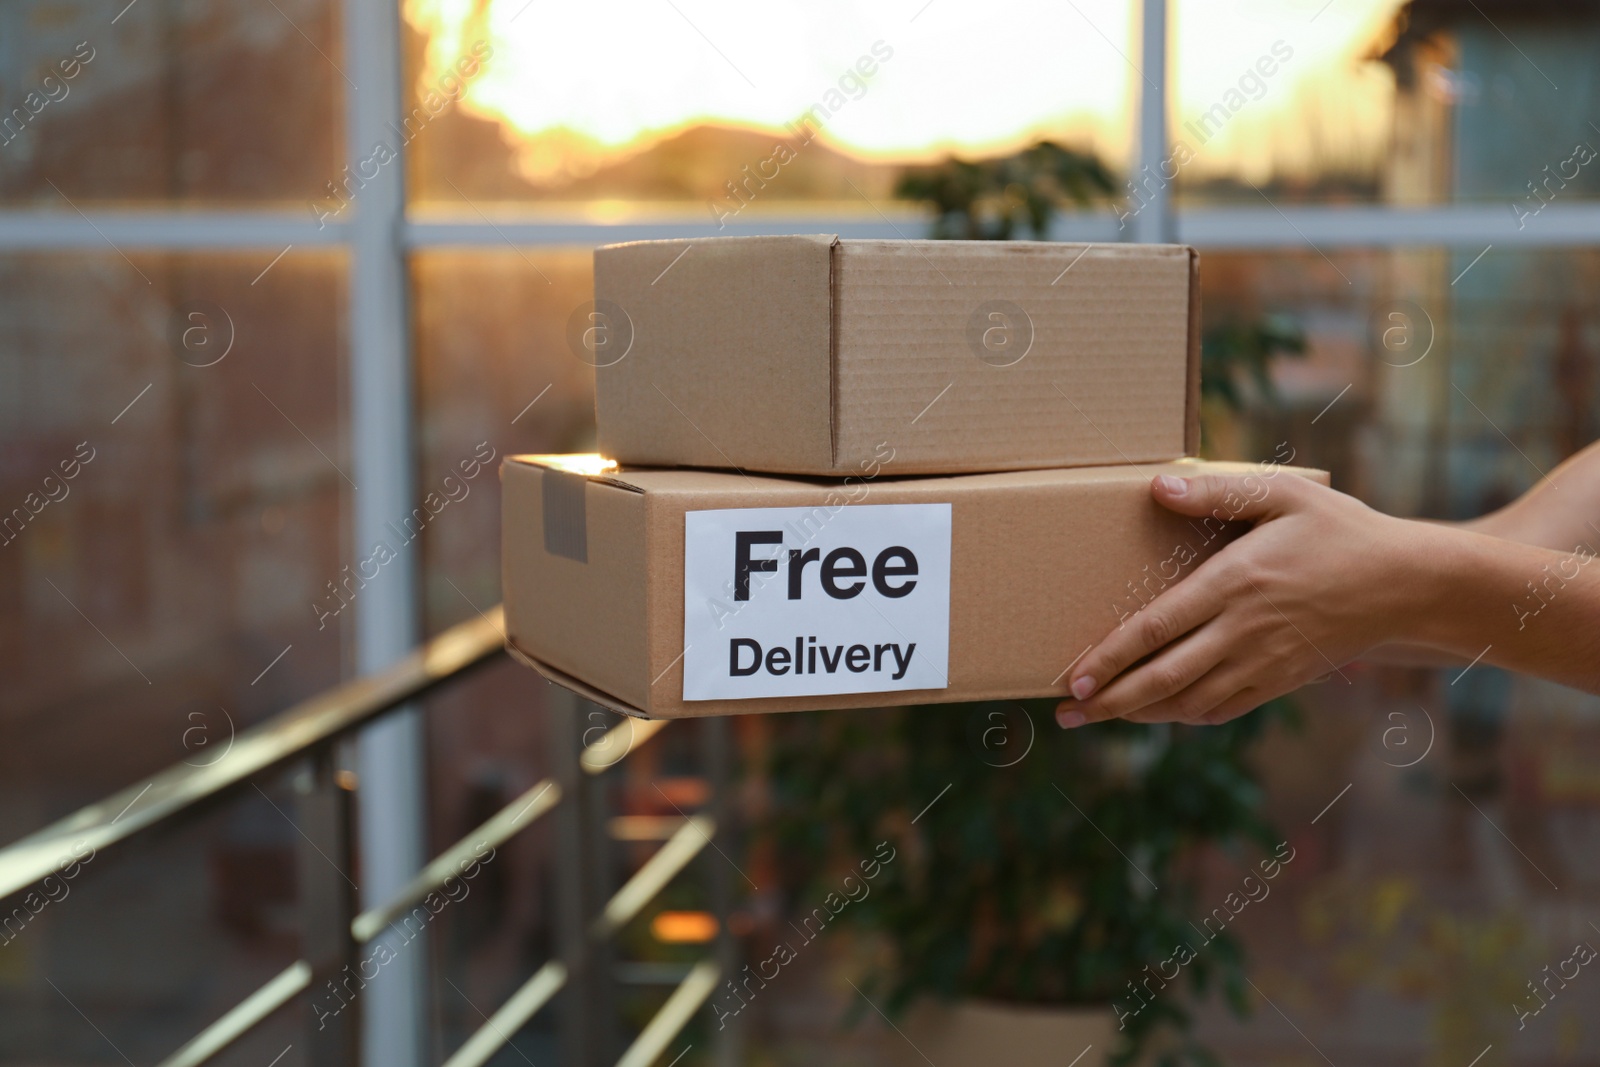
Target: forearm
{"points": [[1560, 511], [1399, 655], [1517, 606]]}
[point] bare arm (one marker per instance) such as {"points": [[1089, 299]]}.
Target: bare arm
{"points": [[1523, 607], [1561, 512]]}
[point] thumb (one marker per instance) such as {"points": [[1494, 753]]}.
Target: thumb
{"points": [[1229, 497]]}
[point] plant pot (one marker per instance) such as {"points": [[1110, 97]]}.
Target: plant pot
{"points": [[982, 1033]]}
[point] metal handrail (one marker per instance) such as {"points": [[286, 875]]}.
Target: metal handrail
{"points": [[243, 1018], [658, 870], [513, 1015], [603, 754], [673, 1016], [306, 730], [499, 829], [255, 752]]}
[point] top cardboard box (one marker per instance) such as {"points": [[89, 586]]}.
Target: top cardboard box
{"points": [[813, 355]]}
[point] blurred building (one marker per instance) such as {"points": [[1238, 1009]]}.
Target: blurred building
{"points": [[1494, 103]]}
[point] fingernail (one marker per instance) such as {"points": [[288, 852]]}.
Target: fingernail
{"points": [[1172, 486], [1083, 688], [1071, 720]]}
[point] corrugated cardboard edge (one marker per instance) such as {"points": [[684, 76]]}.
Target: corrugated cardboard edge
{"points": [[1191, 429], [833, 353], [567, 681]]}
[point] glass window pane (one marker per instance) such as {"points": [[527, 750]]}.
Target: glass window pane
{"points": [[1524, 104], [1381, 101], [496, 378], [161, 100], [673, 103], [175, 496], [174, 503], [1284, 96]]}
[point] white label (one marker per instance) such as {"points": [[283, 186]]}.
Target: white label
{"points": [[805, 601]]}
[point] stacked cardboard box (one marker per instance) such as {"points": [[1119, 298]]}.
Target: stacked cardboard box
{"points": [[853, 473]]}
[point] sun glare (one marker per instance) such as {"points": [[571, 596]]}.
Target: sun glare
{"points": [[576, 86]]}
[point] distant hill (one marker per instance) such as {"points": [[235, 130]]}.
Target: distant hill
{"points": [[695, 165]]}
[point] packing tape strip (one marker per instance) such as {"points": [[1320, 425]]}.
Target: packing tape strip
{"points": [[566, 525]]}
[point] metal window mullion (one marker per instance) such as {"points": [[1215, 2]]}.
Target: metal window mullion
{"points": [[176, 230], [1262, 227], [1153, 221], [388, 619]]}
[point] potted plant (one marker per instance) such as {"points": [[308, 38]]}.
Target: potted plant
{"points": [[994, 199], [1040, 880]]}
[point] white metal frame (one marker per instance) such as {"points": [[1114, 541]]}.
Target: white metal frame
{"points": [[379, 234], [1265, 228]]}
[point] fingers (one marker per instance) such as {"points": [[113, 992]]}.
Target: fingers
{"points": [[1180, 709], [1169, 673], [1180, 610], [1241, 703], [1215, 698], [1193, 701], [1229, 497], [1174, 613]]}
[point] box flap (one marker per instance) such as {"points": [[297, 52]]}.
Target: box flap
{"points": [[590, 465], [712, 319]]}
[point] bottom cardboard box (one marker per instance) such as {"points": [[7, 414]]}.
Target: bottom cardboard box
{"points": [[679, 593]]}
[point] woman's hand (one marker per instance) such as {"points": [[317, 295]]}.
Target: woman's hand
{"points": [[1321, 579]]}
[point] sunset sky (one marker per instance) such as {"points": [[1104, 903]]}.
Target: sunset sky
{"points": [[578, 85]]}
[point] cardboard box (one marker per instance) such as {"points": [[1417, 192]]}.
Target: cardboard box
{"points": [[808, 355], [678, 593]]}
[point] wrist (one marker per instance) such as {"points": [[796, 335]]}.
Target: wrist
{"points": [[1469, 590], [1439, 564]]}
